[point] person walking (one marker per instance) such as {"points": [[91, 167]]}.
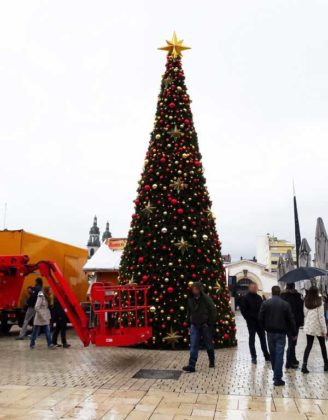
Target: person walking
{"points": [[42, 317], [30, 303], [60, 319], [296, 303], [277, 318], [202, 316], [314, 326], [250, 307]]}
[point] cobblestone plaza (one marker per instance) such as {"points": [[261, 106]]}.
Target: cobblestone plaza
{"points": [[92, 383]]}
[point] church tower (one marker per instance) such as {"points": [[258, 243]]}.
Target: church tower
{"points": [[107, 234], [94, 238]]}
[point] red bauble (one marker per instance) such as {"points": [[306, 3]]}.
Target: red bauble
{"points": [[140, 260], [174, 201], [145, 277], [170, 290], [197, 163], [185, 324], [180, 211], [186, 121], [226, 337], [171, 310], [163, 160], [147, 187], [172, 105]]}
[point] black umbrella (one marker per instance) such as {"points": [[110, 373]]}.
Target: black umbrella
{"points": [[302, 273]]}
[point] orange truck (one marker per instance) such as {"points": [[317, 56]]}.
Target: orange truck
{"points": [[70, 259]]}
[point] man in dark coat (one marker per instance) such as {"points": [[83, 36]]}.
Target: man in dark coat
{"points": [[202, 316], [60, 319], [277, 318], [296, 303], [30, 303], [250, 307]]}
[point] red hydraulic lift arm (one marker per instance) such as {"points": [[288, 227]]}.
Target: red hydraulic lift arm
{"points": [[66, 298]]}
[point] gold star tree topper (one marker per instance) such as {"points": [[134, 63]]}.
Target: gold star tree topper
{"points": [[174, 47]]}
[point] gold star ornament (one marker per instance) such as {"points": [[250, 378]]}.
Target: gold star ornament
{"points": [[172, 337], [183, 245], [178, 185], [174, 47], [176, 133], [148, 209]]}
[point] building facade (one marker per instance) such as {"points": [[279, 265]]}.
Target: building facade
{"points": [[270, 248], [243, 272]]}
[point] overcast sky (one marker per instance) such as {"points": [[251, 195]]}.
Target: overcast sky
{"points": [[78, 89]]}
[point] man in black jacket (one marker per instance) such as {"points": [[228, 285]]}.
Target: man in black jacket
{"points": [[277, 319], [296, 303], [250, 307], [202, 316], [60, 319]]}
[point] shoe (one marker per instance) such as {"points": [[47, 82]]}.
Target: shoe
{"points": [[305, 369], [189, 369], [326, 367], [296, 362], [267, 358], [291, 366], [212, 365], [66, 346], [20, 338], [58, 345], [254, 361], [32, 347], [279, 383], [51, 347]]}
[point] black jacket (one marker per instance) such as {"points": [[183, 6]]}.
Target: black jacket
{"points": [[31, 300], [202, 310], [296, 303], [58, 312], [250, 306], [276, 316]]}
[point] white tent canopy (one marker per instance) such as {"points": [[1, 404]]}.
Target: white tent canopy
{"points": [[105, 259]]}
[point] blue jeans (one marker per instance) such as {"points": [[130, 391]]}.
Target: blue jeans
{"points": [[36, 331], [196, 332], [277, 343]]}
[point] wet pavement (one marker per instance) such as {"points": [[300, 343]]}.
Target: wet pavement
{"points": [[95, 382]]}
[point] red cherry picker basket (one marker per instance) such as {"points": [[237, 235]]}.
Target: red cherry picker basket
{"points": [[119, 313]]}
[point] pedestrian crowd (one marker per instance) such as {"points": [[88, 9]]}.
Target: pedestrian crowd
{"points": [[277, 321], [40, 312]]}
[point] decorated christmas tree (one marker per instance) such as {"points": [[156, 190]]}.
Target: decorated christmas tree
{"points": [[172, 240]]}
